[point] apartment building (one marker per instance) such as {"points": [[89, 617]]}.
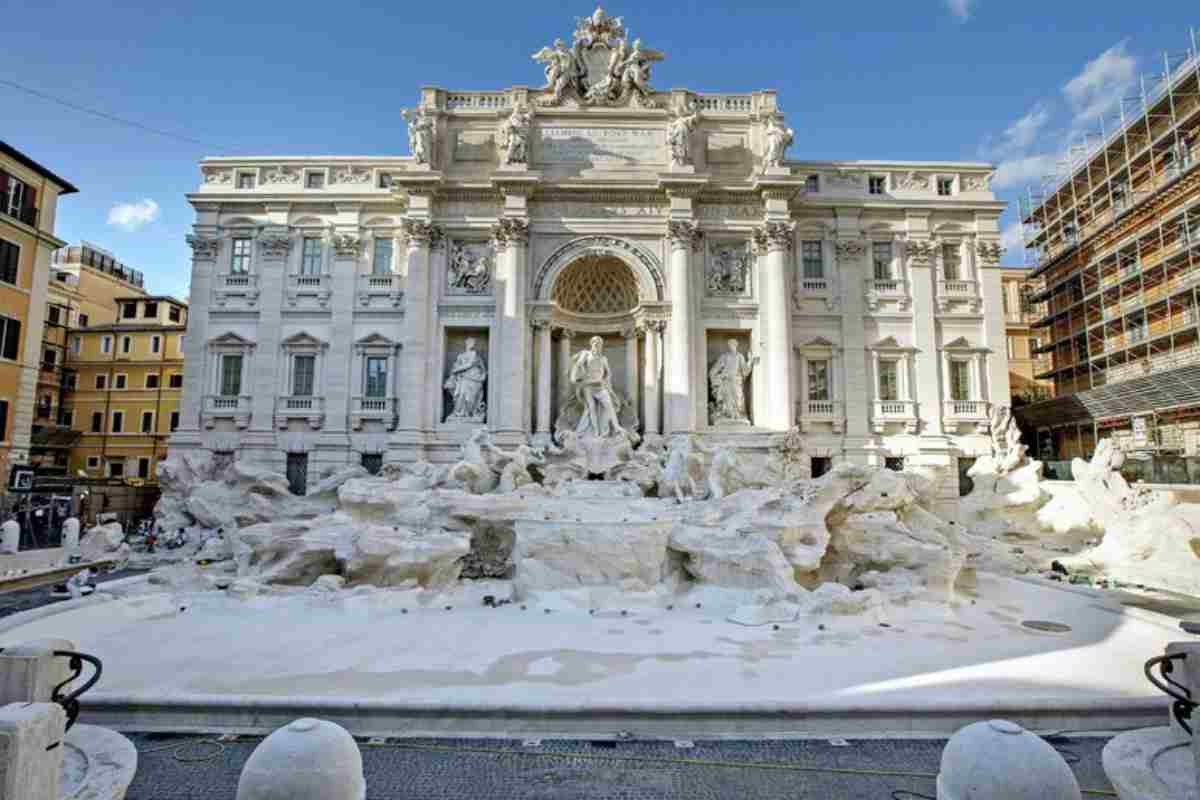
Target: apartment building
{"points": [[1024, 362], [29, 195]]}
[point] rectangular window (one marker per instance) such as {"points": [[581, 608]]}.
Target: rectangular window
{"points": [[297, 472], [16, 197], [310, 256], [945, 186], [155, 344], [10, 262], [66, 418], [49, 358], [10, 338], [116, 469], [128, 310], [951, 262], [239, 263], [231, 375], [881, 255], [119, 381], [93, 462], [106, 344], [69, 379], [101, 381], [889, 380], [381, 262], [818, 380], [876, 184], [150, 311], [3, 420], [174, 421], [175, 381], [83, 320], [53, 315], [314, 180], [147, 422], [385, 180], [126, 344], [143, 468], [173, 313], [152, 381], [376, 377], [118, 421], [812, 183], [97, 422], [1034, 344], [245, 180], [812, 257], [303, 374], [960, 380], [76, 345]]}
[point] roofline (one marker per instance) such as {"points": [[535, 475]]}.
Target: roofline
{"points": [[66, 187], [151, 297]]}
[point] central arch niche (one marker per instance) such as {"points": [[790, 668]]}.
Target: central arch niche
{"points": [[597, 284]]}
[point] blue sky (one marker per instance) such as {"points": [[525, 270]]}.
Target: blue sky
{"points": [[1007, 82]]}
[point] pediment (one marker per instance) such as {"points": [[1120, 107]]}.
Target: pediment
{"points": [[818, 342], [303, 340], [230, 339], [960, 343], [375, 340], [309, 221], [888, 343], [379, 221], [240, 222]]}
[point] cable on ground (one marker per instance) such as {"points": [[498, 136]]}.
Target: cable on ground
{"points": [[177, 750]]}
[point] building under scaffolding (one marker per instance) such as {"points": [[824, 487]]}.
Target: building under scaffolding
{"points": [[1115, 236]]}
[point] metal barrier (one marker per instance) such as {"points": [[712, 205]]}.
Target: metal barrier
{"points": [[70, 702], [1183, 706]]}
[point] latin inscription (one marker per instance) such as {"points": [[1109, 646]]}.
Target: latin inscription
{"points": [[602, 146]]}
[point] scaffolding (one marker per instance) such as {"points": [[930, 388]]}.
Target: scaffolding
{"points": [[1115, 233]]}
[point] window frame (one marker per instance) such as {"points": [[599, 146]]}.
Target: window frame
{"points": [[806, 259], [223, 374], [893, 364], [10, 259], [152, 376], [120, 381], [116, 421], [97, 425], [142, 427], [246, 180], [877, 180], [827, 365], [101, 382], [311, 259], [10, 342], [947, 182], [368, 385], [876, 244], [240, 262], [375, 253]]}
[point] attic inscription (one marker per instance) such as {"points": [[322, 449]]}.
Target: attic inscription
{"points": [[607, 146]]}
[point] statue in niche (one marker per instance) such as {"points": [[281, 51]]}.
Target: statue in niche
{"points": [[779, 138], [727, 383], [591, 380], [727, 270], [470, 268], [679, 134], [514, 137], [465, 385], [421, 129]]}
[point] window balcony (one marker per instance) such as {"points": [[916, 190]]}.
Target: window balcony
{"points": [[233, 407], [383, 409], [826, 411], [236, 286], [384, 288], [309, 408], [884, 412], [956, 413], [879, 290], [304, 287]]}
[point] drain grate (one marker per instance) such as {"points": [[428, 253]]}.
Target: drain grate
{"points": [[1045, 627]]}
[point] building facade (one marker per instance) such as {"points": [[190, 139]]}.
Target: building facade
{"points": [[1025, 363], [380, 309], [1115, 238], [28, 203]]}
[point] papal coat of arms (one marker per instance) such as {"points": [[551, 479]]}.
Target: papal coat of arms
{"points": [[601, 67]]}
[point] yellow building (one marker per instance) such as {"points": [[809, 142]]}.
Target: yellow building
{"points": [[28, 204], [1024, 362], [85, 283], [128, 378]]}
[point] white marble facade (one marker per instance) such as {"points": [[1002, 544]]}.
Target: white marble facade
{"points": [[331, 296]]}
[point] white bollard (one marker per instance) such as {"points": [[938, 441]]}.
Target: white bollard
{"points": [[32, 757], [70, 533], [309, 759], [1000, 760], [10, 537]]}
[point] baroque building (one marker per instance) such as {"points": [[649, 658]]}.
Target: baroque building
{"points": [[591, 252]]}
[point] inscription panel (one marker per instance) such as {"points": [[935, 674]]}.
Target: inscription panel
{"points": [[609, 147]]}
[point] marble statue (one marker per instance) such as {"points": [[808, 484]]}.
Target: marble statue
{"points": [[591, 380], [565, 462], [480, 464], [684, 472], [465, 385], [778, 138], [564, 70], [515, 474], [727, 269], [679, 134], [514, 137], [469, 270], [727, 382], [421, 133], [601, 68]]}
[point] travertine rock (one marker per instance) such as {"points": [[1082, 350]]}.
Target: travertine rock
{"points": [[734, 560], [553, 555]]}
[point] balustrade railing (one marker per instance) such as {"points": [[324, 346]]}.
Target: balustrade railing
{"points": [[967, 409]]}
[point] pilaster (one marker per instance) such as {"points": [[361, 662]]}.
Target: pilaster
{"points": [[923, 288], [679, 405], [511, 348], [858, 381]]}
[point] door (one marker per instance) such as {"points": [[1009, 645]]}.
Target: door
{"points": [[297, 472]]}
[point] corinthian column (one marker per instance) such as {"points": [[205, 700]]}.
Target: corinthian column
{"points": [[511, 236], [631, 368], [416, 384], [775, 238], [678, 407], [652, 387], [541, 330]]}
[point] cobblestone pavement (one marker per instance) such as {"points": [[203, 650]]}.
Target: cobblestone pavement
{"points": [[193, 768]]}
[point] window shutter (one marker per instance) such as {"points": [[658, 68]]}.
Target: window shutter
{"points": [[28, 212]]}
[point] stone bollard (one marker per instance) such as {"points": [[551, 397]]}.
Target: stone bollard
{"points": [[10, 537], [309, 759], [31, 751], [29, 671], [1000, 760], [70, 533]]}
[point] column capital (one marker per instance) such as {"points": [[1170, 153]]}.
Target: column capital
{"points": [[773, 236], [633, 331], [565, 334], [656, 325], [421, 233], [539, 324], [346, 245], [204, 248], [510, 231], [684, 233]]}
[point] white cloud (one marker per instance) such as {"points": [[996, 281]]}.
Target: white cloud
{"points": [[133, 216], [961, 9], [1011, 239], [1099, 88], [1023, 170], [1023, 133]]}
